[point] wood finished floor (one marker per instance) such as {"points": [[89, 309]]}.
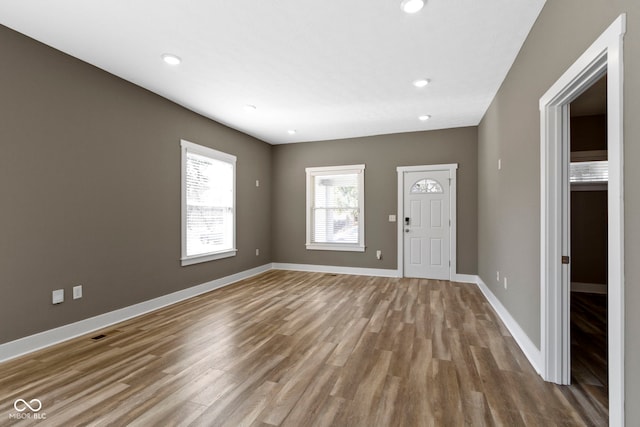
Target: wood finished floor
{"points": [[296, 349], [589, 371]]}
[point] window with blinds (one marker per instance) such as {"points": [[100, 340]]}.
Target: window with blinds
{"points": [[335, 208], [208, 204], [589, 172]]}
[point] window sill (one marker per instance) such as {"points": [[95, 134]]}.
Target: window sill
{"points": [[207, 257], [334, 247]]}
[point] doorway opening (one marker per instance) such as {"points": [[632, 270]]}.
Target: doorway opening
{"points": [[604, 56], [588, 223]]}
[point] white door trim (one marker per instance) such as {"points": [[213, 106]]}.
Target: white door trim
{"points": [[452, 169], [603, 56]]}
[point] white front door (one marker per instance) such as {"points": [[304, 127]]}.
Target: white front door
{"points": [[427, 224]]}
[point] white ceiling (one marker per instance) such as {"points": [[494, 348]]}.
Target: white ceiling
{"points": [[329, 69]]}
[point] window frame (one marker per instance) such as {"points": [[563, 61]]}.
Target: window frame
{"points": [[312, 173], [190, 147]]}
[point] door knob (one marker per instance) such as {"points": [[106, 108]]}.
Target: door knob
{"points": [[406, 230]]}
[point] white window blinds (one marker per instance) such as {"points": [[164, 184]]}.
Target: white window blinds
{"points": [[335, 203], [595, 171], [208, 203], [336, 210]]}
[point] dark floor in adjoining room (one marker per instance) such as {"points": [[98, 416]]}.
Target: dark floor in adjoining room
{"points": [[589, 373]]}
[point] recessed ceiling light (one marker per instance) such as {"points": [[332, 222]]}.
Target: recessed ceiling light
{"points": [[291, 131], [171, 59], [411, 6], [249, 108], [424, 118], [421, 82]]}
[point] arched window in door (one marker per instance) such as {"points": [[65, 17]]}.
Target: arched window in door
{"points": [[429, 186]]}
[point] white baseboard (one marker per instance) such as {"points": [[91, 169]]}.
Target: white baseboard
{"points": [[380, 272], [529, 349], [590, 288], [48, 338], [465, 278]]}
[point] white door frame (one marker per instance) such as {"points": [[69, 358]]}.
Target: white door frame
{"points": [[604, 56], [452, 169]]}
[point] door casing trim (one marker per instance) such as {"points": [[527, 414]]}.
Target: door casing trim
{"points": [[452, 169], [605, 55]]}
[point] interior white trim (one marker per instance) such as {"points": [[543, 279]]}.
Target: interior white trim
{"points": [[313, 172], [357, 271], [452, 168], [465, 278], [335, 247], [605, 55], [527, 346], [207, 257], [190, 147], [51, 337]]}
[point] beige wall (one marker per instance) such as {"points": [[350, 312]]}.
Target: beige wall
{"points": [[381, 155], [90, 187], [509, 200]]}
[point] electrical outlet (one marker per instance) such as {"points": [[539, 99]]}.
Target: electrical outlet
{"points": [[505, 282], [257, 252], [57, 296], [379, 254], [77, 292], [497, 276]]}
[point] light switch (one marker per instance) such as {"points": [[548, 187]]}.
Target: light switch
{"points": [[77, 292], [392, 218]]}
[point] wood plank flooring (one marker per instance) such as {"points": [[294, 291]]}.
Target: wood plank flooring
{"points": [[589, 370], [296, 349]]}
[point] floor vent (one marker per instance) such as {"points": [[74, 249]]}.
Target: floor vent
{"points": [[98, 337]]}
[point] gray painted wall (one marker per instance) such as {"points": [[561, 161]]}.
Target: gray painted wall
{"points": [[381, 155], [509, 200], [90, 187]]}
